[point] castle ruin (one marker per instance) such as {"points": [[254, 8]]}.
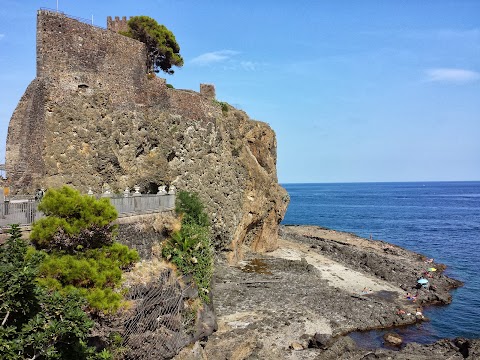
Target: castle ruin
{"points": [[92, 116]]}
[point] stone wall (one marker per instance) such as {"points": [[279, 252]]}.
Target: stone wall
{"points": [[138, 232], [76, 55], [26, 136], [138, 239], [73, 59]]}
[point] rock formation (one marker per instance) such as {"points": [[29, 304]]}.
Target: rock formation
{"points": [[93, 117]]}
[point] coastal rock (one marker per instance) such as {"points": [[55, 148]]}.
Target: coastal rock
{"points": [[345, 349], [321, 341], [296, 346], [398, 266], [93, 117], [463, 346], [315, 290], [393, 339]]}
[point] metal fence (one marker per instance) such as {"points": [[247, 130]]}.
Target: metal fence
{"points": [[83, 20], [161, 321], [24, 211]]}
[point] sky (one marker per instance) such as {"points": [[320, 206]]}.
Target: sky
{"points": [[356, 91]]}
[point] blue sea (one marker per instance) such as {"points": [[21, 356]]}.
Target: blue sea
{"points": [[438, 219]]}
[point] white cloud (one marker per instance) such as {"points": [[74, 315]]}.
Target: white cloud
{"points": [[455, 34], [213, 57], [249, 65], [452, 75]]}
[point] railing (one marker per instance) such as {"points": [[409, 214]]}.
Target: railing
{"points": [[144, 204], [25, 211], [22, 212], [86, 21]]}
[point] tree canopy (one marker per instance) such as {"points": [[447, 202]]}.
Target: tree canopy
{"points": [[37, 323], [73, 222], [163, 51]]}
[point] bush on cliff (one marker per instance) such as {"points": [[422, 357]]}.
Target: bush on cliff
{"points": [[223, 105], [36, 323], [73, 222], [190, 248]]}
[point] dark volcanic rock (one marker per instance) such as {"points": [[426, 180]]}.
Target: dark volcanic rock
{"points": [[321, 341], [263, 310]]}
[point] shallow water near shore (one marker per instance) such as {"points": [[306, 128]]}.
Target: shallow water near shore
{"points": [[419, 333], [438, 219]]}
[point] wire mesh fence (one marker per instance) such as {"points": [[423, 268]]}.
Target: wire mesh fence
{"points": [[161, 319]]}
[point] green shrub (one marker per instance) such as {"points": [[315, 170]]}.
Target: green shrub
{"points": [[73, 222], [81, 257], [17, 279], [190, 207], [36, 323], [170, 86], [190, 248], [223, 105], [95, 273]]}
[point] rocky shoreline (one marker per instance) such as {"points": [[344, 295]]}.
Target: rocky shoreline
{"points": [[303, 299]]}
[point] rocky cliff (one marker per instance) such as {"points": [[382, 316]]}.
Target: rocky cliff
{"points": [[93, 117]]}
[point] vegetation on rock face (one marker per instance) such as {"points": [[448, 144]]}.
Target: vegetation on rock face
{"points": [[190, 208], [36, 323], [73, 222], [163, 50], [223, 105], [190, 248]]}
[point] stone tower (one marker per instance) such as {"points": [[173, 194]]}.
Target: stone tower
{"points": [[118, 24]]}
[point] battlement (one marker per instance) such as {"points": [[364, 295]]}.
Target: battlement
{"points": [[117, 24]]}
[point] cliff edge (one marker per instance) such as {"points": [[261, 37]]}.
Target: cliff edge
{"points": [[93, 117]]}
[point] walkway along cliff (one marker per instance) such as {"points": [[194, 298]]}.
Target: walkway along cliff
{"points": [[92, 116]]}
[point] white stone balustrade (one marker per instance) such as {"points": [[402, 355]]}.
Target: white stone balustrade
{"points": [[25, 212]]}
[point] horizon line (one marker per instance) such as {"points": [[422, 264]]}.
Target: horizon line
{"points": [[381, 182]]}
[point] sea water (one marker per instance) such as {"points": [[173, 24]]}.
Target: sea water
{"points": [[440, 220]]}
